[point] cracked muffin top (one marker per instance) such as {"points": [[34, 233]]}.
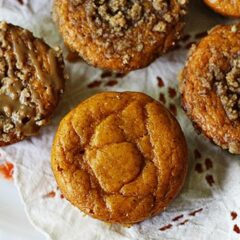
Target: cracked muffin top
{"points": [[120, 35], [210, 85], [120, 157], [229, 8], [31, 81]]}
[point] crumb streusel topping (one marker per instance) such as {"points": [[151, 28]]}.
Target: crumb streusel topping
{"points": [[27, 68], [228, 89], [210, 87], [117, 19]]}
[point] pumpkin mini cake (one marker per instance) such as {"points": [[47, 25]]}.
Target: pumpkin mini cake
{"points": [[210, 86], [31, 82], [229, 8], [120, 35], [120, 157]]}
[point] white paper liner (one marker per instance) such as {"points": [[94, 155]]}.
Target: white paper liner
{"points": [[212, 190]]}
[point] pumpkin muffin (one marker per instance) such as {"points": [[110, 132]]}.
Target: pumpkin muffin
{"points": [[229, 8], [210, 86], [120, 157], [120, 35], [31, 82]]}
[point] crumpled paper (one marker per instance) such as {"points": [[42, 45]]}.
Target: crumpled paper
{"points": [[208, 206]]}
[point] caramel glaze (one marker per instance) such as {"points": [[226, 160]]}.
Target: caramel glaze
{"points": [[30, 81]]}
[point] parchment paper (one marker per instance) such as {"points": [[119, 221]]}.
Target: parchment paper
{"points": [[208, 206]]}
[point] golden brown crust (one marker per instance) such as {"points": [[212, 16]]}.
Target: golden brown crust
{"points": [[131, 36], [210, 86], [31, 82], [119, 157], [229, 8]]}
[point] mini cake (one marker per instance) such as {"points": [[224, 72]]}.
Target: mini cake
{"points": [[120, 35], [210, 86], [229, 8], [31, 82], [120, 157]]}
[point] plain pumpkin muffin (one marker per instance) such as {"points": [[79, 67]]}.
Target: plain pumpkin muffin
{"points": [[119, 157], [229, 8], [31, 82], [210, 86], [120, 35]]}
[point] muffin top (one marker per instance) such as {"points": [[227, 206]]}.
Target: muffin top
{"points": [[116, 34], [119, 157], [31, 81], [211, 86], [225, 7]]}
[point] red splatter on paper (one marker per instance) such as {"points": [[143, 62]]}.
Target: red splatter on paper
{"points": [[106, 74], [236, 229], [94, 84], [61, 196], [160, 82], [197, 154], [210, 180], [162, 98], [51, 194], [198, 168], [208, 163], [164, 228], [177, 218], [173, 109], [184, 222], [111, 83], [172, 92], [234, 215], [20, 1], [194, 213], [120, 75], [6, 170]]}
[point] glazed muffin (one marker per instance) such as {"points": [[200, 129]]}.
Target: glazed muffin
{"points": [[210, 86], [120, 157], [229, 8], [31, 82], [120, 35]]}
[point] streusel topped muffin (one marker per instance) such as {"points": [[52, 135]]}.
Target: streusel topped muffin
{"points": [[120, 35], [210, 85]]}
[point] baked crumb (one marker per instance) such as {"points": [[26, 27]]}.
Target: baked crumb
{"points": [[228, 89], [160, 27], [118, 18], [120, 15], [225, 82]]}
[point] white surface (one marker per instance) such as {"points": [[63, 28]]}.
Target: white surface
{"points": [[14, 224], [61, 220]]}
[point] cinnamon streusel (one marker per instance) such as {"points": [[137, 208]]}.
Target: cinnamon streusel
{"points": [[120, 35], [210, 85]]}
